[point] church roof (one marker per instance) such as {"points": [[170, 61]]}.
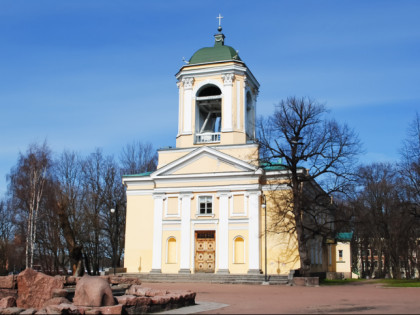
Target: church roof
{"points": [[344, 236], [219, 52]]}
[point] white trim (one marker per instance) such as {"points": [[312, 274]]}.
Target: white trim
{"points": [[171, 221], [139, 192], [237, 68], [167, 250], [250, 187], [197, 205], [233, 249], [254, 230], [208, 82], [223, 231], [157, 232], [238, 221], [238, 105], [201, 221], [275, 187], [227, 101], [201, 150], [185, 230]]}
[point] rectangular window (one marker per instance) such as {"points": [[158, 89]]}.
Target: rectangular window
{"points": [[340, 255], [206, 204]]}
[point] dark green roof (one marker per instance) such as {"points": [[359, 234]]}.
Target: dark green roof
{"points": [[344, 236], [272, 166], [219, 52], [138, 175]]}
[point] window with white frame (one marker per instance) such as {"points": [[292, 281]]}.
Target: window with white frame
{"points": [[205, 204]]}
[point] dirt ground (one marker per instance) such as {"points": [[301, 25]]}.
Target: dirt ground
{"points": [[360, 298]]}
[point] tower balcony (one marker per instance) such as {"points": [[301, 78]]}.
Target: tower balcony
{"points": [[207, 137]]}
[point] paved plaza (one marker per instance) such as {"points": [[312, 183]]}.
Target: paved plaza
{"points": [[358, 298]]}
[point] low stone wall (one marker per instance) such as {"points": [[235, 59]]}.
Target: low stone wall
{"points": [[54, 295], [306, 281]]}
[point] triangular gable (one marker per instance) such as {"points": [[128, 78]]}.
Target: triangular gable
{"points": [[204, 160]]}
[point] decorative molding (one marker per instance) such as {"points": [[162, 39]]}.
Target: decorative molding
{"points": [[228, 78], [188, 83]]}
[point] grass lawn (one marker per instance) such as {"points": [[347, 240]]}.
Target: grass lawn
{"points": [[339, 282], [407, 283], [402, 283]]}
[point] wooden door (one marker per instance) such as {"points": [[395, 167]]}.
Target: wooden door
{"points": [[205, 245]]}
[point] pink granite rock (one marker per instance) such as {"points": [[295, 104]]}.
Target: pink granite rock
{"points": [[62, 309], [56, 301], [9, 301], [116, 309], [132, 300], [125, 280], [35, 288], [138, 290], [93, 291], [8, 282]]}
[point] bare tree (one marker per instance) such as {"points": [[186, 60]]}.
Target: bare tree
{"points": [[410, 164], [68, 197], [138, 157], [27, 181], [6, 233], [311, 147]]}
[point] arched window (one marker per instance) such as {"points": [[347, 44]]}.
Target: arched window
{"points": [[171, 256], [208, 114], [238, 250]]}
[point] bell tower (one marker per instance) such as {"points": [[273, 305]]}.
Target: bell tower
{"points": [[217, 98]]}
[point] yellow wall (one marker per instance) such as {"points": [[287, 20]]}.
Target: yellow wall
{"points": [[139, 231], [343, 265]]}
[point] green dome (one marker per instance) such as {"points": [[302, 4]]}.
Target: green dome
{"points": [[219, 52]]}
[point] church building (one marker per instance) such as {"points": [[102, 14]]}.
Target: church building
{"points": [[203, 209]]}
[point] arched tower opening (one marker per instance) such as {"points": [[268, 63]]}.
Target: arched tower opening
{"points": [[250, 117], [208, 114]]}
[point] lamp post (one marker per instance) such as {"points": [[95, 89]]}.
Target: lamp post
{"points": [[264, 206], [115, 250]]}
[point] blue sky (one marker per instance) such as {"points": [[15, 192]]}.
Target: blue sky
{"points": [[100, 74]]}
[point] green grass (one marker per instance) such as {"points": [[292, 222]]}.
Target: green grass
{"points": [[401, 283], [339, 282]]}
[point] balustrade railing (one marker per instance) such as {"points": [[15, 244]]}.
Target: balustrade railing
{"points": [[208, 137]]}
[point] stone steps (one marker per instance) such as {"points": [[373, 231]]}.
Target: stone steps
{"points": [[210, 277]]}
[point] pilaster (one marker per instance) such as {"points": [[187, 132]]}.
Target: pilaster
{"points": [[157, 234], [228, 79], [254, 232], [185, 266], [187, 110], [223, 233]]}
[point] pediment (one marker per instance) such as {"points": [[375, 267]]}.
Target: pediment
{"points": [[204, 161]]}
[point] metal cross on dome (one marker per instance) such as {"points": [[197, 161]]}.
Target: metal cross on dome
{"points": [[220, 17]]}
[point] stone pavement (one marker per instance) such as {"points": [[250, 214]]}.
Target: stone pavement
{"points": [[360, 298]]}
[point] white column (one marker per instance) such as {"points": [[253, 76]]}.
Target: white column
{"points": [[238, 105], [254, 232], [223, 234], [180, 109], [185, 266], [187, 111], [157, 234], [227, 101]]}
